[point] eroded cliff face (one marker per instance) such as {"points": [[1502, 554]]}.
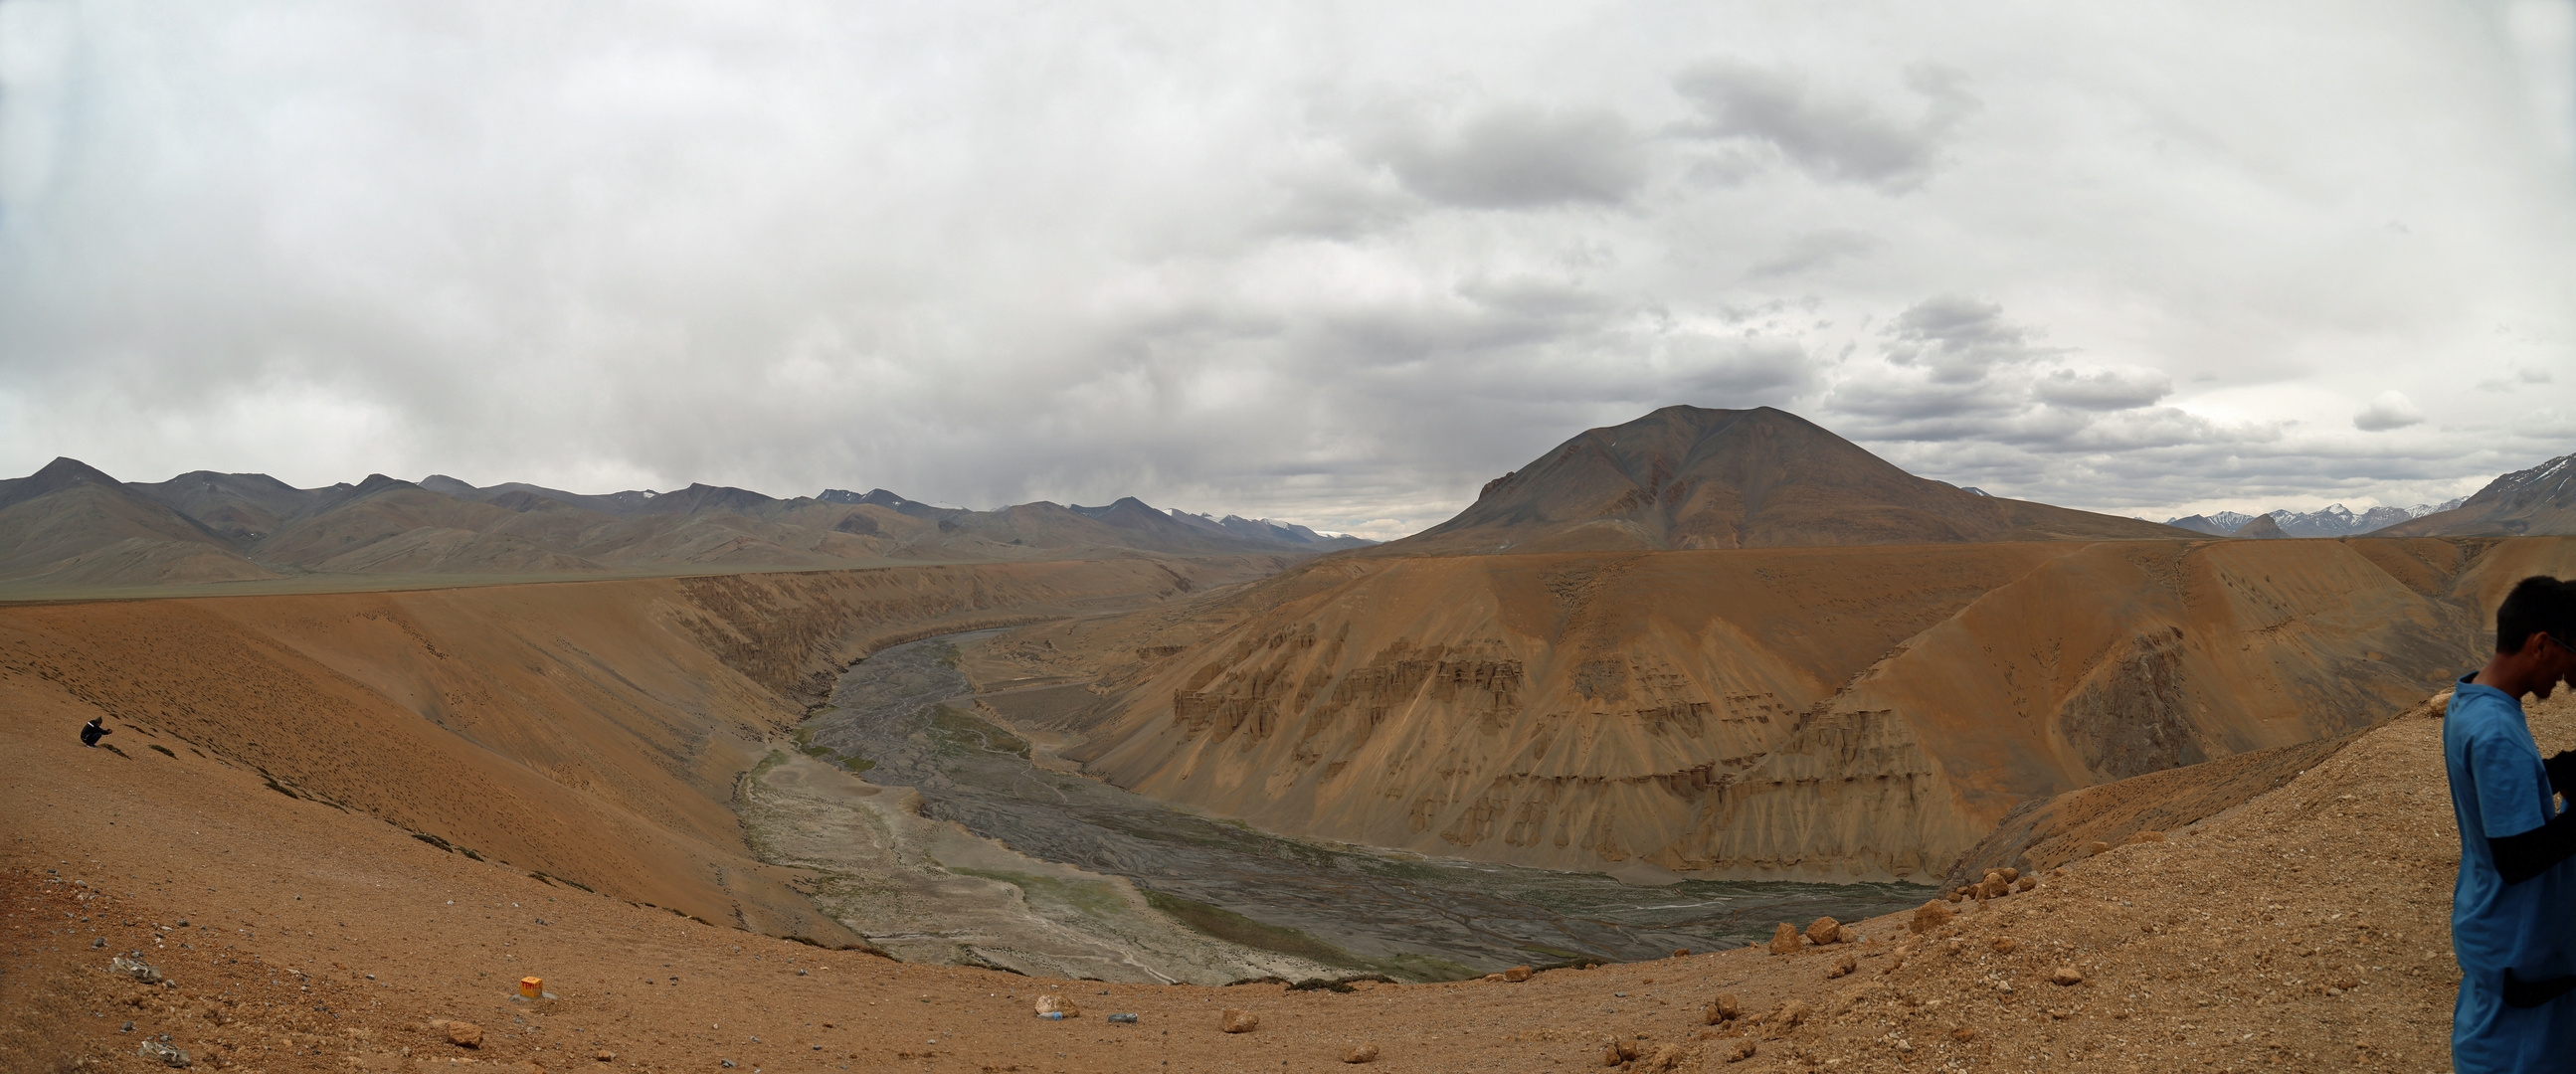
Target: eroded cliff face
{"points": [[1828, 713]]}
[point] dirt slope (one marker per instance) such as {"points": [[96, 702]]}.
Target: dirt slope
{"points": [[2303, 931], [1853, 712], [589, 731]]}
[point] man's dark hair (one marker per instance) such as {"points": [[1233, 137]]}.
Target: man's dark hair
{"points": [[2538, 603]]}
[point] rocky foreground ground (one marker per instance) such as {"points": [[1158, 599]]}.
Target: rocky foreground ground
{"points": [[2305, 930]]}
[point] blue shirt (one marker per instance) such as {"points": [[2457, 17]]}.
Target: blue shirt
{"points": [[2499, 787]]}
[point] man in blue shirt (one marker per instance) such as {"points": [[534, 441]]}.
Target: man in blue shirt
{"points": [[2513, 925]]}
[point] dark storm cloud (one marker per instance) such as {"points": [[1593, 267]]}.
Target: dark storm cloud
{"points": [[1829, 136]]}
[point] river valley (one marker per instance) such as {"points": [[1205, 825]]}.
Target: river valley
{"points": [[934, 826]]}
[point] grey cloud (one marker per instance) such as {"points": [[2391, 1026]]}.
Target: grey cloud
{"points": [[1744, 371], [983, 255], [2104, 389], [1830, 138], [1514, 158], [1814, 250], [2391, 410], [1959, 339], [2551, 424], [2522, 378]]}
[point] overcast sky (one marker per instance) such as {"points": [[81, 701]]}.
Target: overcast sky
{"points": [[1338, 264]]}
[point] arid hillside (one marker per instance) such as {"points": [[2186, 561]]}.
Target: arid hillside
{"points": [[2302, 930], [588, 731], [1821, 713], [1691, 477]]}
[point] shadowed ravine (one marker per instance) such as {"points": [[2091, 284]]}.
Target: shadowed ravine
{"points": [[902, 717]]}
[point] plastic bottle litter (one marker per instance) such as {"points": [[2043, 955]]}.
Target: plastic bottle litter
{"points": [[1128, 1018], [1053, 1016]]}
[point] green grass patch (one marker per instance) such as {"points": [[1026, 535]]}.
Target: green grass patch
{"points": [[857, 764], [1087, 896], [966, 731], [1235, 928]]}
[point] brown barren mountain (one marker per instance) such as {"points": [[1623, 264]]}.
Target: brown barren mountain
{"points": [[1824, 713], [2262, 528], [1867, 710], [1688, 477]]}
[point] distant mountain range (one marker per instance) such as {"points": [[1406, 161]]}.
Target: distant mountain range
{"points": [[2540, 501], [2334, 521], [69, 524], [2533, 502]]}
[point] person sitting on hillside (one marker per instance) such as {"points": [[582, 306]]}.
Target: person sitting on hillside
{"points": [[2513, 925], [94, 730]]}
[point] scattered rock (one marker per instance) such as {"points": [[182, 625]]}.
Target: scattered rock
{"points": [[1668, 1057], [1722, 1009], [2143, 837], [1517, 974], [1360, 1053], [134, 968], [1615, 1052], [1847, 934], [1842, 966], [1963, 1034], [2010, 873], [2097, 847], [1237, 1020], [1742, 1051], [464, 1034], [605, 1056], [1785, 940], [1789, 1014], [2004, 945], [1931, 915], [1051, 1003], [2066, 975], [1955, 895], [1493, 977], [2026, 883], [1826, 930], [153, 1049]]}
